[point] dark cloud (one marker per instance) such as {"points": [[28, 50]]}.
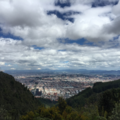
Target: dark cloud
{"points": [[62, 4], [101, 3], [113, 28], [65, 15]]}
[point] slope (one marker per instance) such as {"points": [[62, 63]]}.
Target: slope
{"points": [[15, 98], [91, 95]]}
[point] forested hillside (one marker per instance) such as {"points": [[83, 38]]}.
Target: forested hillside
{"points": [[15, 99], [92, 95]]}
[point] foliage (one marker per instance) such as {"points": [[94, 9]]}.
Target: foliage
{"points": [[15, 97], [115, 113], [4, 115], [107, 101], [91, 95], [100, 87], [60, 112], [80, 99], [47, 102], [39, 118], [61, 104]]}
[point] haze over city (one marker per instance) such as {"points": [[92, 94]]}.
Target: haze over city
{"points": [[59, 34]]}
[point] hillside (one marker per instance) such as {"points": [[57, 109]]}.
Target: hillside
{"points": [[92, 95], [15, 99]]}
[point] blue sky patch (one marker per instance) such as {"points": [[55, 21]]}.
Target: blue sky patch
{"points": [[79, 42], [65, 61], [116, 37], [9, 35], [38, 48], [64, 16]]}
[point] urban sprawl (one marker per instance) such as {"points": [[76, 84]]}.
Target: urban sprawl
{"points": [[51, 86]]}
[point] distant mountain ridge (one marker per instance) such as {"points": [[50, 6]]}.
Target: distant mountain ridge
{"points": [[79, 71]]}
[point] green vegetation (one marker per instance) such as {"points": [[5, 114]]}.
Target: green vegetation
{"points": [[91, 95], [47, 103], [115, 113], [15, 99], [60, 112], [4, 115], [102, 102]]}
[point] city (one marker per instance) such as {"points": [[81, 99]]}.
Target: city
{"points": [[53, 85]]}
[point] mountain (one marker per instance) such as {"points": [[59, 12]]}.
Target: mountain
{"points": [[92, 95], [15, 99]]}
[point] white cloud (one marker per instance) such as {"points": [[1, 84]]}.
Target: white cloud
{"points": [[9, 65], [12, 68], [29, 20], [2, 63], [75, 57], [89, 25], [39, 68]]}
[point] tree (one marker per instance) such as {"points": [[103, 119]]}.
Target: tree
{"points": [[61, 104], [4, 114], [115, 113]]}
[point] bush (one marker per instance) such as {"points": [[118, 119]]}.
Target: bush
{"points": [[115, 113]]}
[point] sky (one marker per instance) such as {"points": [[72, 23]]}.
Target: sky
{"points": [[59, 34]]}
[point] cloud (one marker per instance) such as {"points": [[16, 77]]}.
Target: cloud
{"points": [[77, 57], [9, 65], [30, 21], [39, 68], [12, 68], [114, 26], [89, 25], [116, 9], [2, 63], [20, 12]]}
